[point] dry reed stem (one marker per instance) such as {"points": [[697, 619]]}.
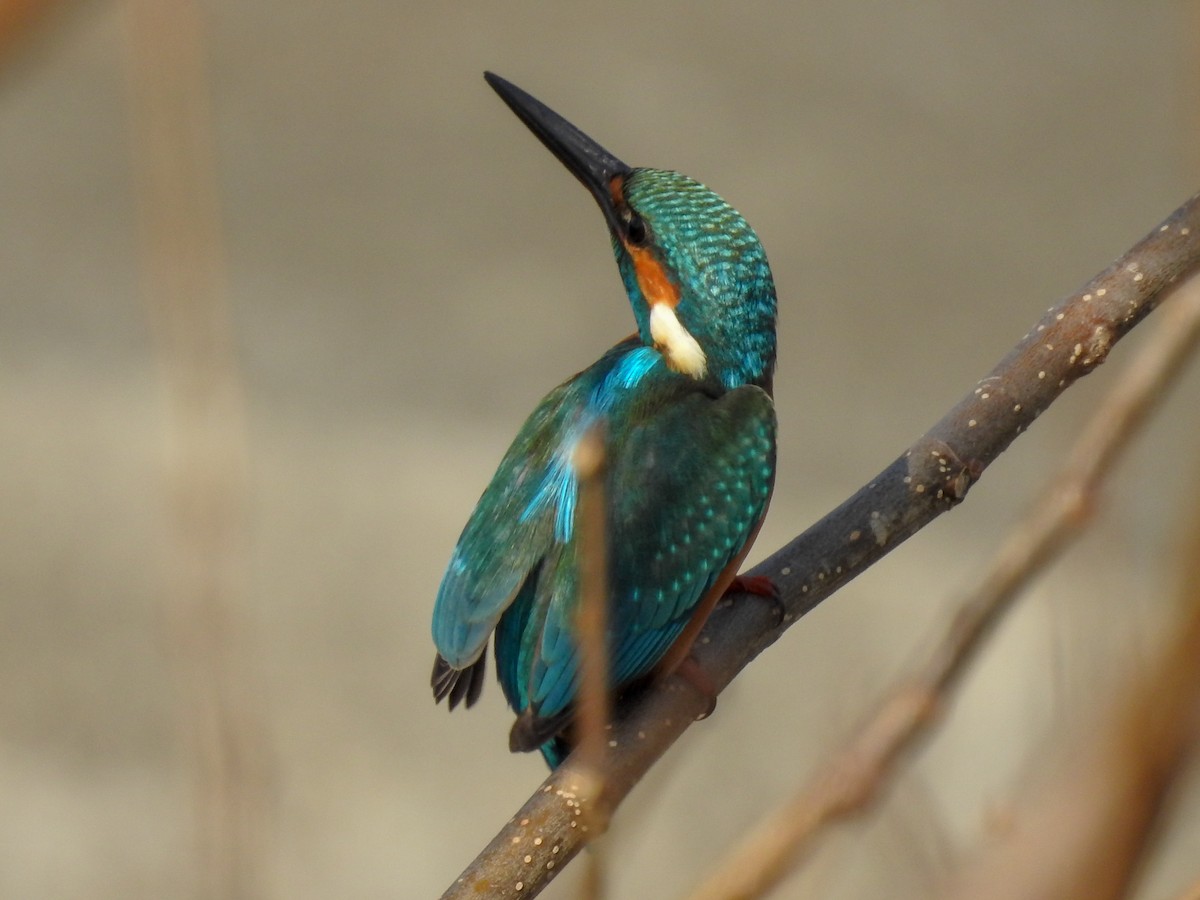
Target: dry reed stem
{"points": [[594, 716], [206, 626], [1084, 833]]}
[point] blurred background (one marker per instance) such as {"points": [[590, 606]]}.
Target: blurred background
{"points": [[281, 280]]}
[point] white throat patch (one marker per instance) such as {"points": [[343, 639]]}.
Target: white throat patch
{"points": [[684, 354]]}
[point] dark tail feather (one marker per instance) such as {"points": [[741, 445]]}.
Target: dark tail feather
{"points": [[555, 751], [549, 735], [458, 684]]}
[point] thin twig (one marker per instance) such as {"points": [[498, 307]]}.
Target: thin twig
{"points": [[595, 700], [857, 774], [931, 477]]}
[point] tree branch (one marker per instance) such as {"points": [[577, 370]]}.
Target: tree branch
{"points": [[859, 771], [928, 479]]}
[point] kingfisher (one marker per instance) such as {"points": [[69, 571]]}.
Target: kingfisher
{"points": [[688, 427]]}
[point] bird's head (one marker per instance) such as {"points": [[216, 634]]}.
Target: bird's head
{"points": [[696, 274]]}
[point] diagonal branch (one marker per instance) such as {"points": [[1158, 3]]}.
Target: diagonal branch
{"points": [[928, 479], [860, 770]]}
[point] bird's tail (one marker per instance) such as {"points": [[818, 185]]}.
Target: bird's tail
{"points": [[554, 751]]}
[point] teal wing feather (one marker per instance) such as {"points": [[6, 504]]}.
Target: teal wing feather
{"points": [[690, 476], [508, 534], [524, 517], [687, 494]]}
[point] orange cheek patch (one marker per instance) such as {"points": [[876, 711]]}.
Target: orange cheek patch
{"points": [[616, 190], [656, 286]]}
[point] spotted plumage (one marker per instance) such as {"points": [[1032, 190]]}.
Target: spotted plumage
{"points": [[689, 432]]}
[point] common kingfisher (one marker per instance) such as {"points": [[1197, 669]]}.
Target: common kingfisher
{"points": [[689, 440]]}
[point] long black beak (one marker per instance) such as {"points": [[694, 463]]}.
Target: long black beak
{"points": [[594, 166]]}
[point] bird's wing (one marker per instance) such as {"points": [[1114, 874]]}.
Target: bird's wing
{"points": [[688, 484], [512, 528]]}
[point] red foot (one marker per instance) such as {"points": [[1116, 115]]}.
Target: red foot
{"points": [[759, 586], [691, 672]]}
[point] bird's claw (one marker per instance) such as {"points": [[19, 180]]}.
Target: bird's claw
{"points": [[759, 586]]}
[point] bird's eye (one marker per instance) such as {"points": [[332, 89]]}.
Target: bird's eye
{"points": [[635, 229]]}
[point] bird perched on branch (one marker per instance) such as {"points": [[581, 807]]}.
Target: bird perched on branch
{"points": [[689, 443]]}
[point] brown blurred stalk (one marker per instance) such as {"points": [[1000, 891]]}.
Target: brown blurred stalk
{"points": [[595, 700], [18, 16], [182, 256], [1084, 833]]}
